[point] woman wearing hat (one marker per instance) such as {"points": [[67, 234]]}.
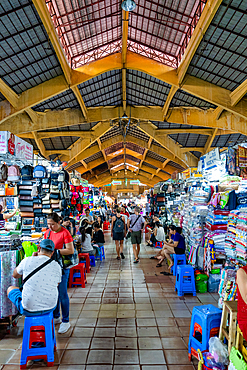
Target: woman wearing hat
{"points": [[64, 242]]}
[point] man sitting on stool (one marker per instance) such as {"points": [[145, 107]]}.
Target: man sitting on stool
{"points": [[40, 292], [175, 246]]}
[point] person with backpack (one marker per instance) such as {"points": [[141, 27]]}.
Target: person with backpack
{"points": [[136, 224], [118, 232], [64, 242]]}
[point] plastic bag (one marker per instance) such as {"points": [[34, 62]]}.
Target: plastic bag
{"points": [[231, 367], [218, 350]]}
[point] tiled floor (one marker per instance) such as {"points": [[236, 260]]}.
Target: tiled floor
{"points": [[127, 317]]}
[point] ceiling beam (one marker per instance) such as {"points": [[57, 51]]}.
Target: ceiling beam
{"points": [[78, 96], [170, 131], [9, 94], [101, 128], [125, 25], [171, 94], [169, 145], [39, 144], [206, 18], [146, 151], [239, 93], [188, 116], [193, 85], [45, 16], [210, 141]]}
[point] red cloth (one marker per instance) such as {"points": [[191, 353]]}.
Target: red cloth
{"points": [[125, 213], [242, 311], [60, 239]]}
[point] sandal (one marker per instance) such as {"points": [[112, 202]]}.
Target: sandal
{"points": [[152, 258], [118, 258], [159, 265], [165, 273]]}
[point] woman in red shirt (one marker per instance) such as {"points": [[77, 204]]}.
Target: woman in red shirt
{"points": [[64, 242]]}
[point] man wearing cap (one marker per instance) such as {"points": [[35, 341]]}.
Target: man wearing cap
{"points": [[136, 224], [40, 293]]}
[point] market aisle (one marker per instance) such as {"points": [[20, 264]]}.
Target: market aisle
{"points": [[125, 318]]}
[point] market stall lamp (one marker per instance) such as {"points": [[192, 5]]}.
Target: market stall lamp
{"points": [[128, 5]]}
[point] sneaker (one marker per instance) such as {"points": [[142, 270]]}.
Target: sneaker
{"points": [[136, 260], [122, 256], [118, 258], [57, 320], [64, 327]]}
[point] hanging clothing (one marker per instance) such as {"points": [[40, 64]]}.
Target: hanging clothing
{"points": [[7, 266]]}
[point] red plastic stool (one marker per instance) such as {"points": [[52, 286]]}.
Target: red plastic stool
{"points": [[85, 256], [159, 245], [78, 275]]}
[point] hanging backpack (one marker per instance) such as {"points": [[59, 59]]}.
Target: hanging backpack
{"points": [[119, 225], [39, 172], [27, 172], [61, 176], [13, 173], [3, 173]]}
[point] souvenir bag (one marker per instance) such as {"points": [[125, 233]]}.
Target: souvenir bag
{"points": [[13, 173], [3, 173], [39, 172], [67, 261]]}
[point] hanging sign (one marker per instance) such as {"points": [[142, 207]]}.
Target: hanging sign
{"points": [[116, 182], [134, 182], [210, 159], [11, 144]]}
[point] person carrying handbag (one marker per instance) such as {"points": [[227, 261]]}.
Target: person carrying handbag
{"points": [[136, 224], [64, 243]]}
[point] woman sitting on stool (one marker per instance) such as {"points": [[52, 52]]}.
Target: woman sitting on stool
{"points": [[175, 246]]}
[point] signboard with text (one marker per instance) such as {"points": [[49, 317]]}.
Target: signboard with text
{"points": [[116, 182], [12, 144]]}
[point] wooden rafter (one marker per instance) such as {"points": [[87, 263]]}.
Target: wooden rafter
{"points": [[206, 18], [44, 14], [125, 20], [171, 94], [205, 90]]}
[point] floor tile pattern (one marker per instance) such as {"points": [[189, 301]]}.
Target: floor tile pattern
{"points": [[127, 317]]}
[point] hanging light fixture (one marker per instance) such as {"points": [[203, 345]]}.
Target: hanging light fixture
{"points": [[128, 5]]}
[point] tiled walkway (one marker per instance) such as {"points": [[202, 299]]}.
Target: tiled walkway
{"points": [[127, 317]]}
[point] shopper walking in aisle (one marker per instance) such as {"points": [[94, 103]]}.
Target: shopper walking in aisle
{"points": [[136, 224], [40, 293], [118, 232], [64, 242]]}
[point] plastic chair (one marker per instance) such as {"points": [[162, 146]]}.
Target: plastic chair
{"points": [[78, 276], [101, 254], [38, 329], [185, 281], [84, 258], [159, 245], [205, 323], [178, 259], [92, 261]]}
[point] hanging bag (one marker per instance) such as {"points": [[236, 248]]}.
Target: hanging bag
{"points": [[129, 232]]}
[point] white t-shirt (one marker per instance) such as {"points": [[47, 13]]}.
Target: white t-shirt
{"points": [[86, 245], [40, 291], [160, 236]]}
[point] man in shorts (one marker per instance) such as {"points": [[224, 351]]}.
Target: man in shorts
{"points": [[136, 224]]}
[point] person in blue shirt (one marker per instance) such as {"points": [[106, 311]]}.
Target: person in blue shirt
{"points": [[175, 246]]}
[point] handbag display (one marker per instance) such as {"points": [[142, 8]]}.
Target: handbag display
{"points": [[47, 211], [45, 180], [37, 206], [25, 192], [26, 182], [55, 205], [26, 187], [27, 214], [26, 197], [26, 203], [26, 209], [54, 196]]}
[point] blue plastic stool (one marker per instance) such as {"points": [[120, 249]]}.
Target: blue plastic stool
{"points": [[185, 281], [159, 245], [92, 261], [38, 329], [178, 259], [101, 254], [205, 323]]}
